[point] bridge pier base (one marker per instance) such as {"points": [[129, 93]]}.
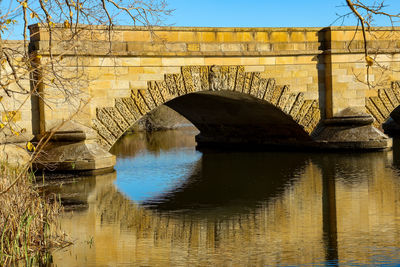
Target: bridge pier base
{"points": [[351, 130], [74, 148]]}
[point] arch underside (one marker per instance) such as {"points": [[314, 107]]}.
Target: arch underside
{"points": [[111, 122], [381, 106], [233, 118]]}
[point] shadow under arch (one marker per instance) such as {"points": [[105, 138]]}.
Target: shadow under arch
{"points": [[229, 83], [235, 118]]}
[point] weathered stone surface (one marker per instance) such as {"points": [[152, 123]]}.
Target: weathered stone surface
{"points": [[284, 97], [215, 78], [352, 130], [148, 100], [80, 156], [141, 105], [384, 105], [117, 117], [218, 78], [204, 78], [255, 84], [232, 77], [73, 131], [262, 88], [124, 111], [396, 89], [309, 115], [385, 100], [247, 82], [240, 79], [315, 119], [133, 109], [188, 79], [161, 118], [180, 86], [7, 137], [303, 110], [269, 91], [14, 154], [155, 93], [289, 103], [164, 91], [196, 78], [297, 105], [108, 122], [276, 94], [380, 106], [104, 133], [371, 108], [67, 152], [392, 97], [224, 78], [170, 83], [103, 143]]}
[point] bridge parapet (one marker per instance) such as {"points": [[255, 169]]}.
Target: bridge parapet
{"points": [[182, 41]]}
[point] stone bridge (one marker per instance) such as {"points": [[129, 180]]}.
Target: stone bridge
{"points": [[297, 87]]}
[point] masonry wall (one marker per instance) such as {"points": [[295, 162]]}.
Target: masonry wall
{"points": [[315, 61], [348, 82], [16, 104]]}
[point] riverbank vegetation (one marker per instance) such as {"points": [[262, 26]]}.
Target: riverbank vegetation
{"points": [[28, 221]]}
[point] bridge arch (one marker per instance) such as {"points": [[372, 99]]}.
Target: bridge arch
{"points": [[382, 106], [224, 82]]}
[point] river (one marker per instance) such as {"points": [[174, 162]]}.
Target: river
{"points": [[168, 204]]}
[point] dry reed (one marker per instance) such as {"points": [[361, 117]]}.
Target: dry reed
{"points": [[28, 221]]}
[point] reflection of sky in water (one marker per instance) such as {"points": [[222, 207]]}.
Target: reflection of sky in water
{"points": [[146, 175]]}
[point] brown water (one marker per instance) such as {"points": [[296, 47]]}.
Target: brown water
{"points": [[170, 205]]}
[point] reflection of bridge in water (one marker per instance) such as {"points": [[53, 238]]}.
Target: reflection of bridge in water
{"points": [[336, 207]]}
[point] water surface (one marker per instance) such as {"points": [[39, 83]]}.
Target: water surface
{"points": [[170, 205]]}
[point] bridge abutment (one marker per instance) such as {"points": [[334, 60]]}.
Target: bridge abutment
{"points": [[74, 147]]}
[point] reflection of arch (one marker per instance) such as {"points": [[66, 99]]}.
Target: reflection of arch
{"points": [[285, 219], [112, 122], [382, 105], [221, 179]]}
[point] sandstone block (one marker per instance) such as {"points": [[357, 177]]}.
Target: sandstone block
{"points": [[150, 61], [279, 37]]}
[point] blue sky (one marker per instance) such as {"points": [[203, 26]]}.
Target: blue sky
{"points": [[259, 13], [253, 13]]}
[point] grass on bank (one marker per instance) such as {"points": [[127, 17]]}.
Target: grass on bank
{"points": [[28, 221]]}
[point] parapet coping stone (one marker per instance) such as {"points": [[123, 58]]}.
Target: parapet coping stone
{"points": [[218, 29]]}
